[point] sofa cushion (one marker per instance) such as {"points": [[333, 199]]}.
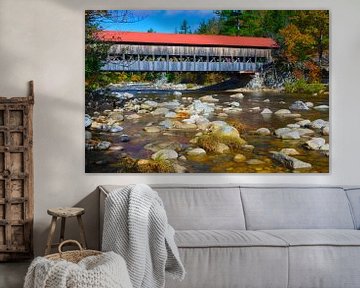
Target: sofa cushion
{"points": [[226, 238], [203, 208], [225, 267], [315, 237], [296, 208], [324, 266], [354, 198]]}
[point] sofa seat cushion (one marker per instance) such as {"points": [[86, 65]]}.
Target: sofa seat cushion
{"points": [[317, 237], [225, 238]]}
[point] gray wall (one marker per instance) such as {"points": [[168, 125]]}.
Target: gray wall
{"points": [[43, 40]]}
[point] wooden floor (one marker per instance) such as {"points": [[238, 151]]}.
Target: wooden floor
{"points": [[12, 274]]}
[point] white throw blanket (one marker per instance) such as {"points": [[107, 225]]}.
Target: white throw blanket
{"points": [[103, 271], [136, 227]]}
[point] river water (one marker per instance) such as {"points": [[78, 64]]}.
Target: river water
{"points": [[106, 161]]}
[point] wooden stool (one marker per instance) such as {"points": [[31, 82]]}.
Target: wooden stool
{"points": [[64, 213]]}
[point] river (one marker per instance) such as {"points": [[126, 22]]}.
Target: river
{"points": [[107, 161]]}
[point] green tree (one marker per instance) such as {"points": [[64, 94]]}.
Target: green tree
{"points": [[151, 30], [185, 28], [212, 27], [230, 21], [95, 50]]}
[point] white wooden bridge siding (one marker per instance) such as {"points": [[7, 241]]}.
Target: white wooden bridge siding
{"points": [[156, 58]]}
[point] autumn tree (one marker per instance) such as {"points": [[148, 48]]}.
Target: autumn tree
{"points": [[315, 23]]}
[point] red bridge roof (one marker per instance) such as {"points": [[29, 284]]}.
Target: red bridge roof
{"points": [[186, 39]]}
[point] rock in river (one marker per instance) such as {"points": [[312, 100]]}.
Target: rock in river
{"points": [[282, 112], [235, 104], [177, 93], [325, 130], [223, 129], [292, 135], [303, 123], [290, 162], [116, 129], [321, 107], [299, 105], [289, 151], [150, 103], [266, 111], [196, 152], [103, 145], [117, 116], [88, 135], [160, 111], [88, 121], [315, 143], [255, 162], [237, 96], [171, 145], [209, 99], [165, 154], [318, 124], [221, 148], [263, 131], [124, 138], [239, 158], [152, 129], [170, 115]]}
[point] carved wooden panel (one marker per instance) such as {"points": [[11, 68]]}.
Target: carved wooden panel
{"points": [[16, 177]]}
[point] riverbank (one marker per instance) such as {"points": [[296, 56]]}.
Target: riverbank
{"points": [[153, 130]]}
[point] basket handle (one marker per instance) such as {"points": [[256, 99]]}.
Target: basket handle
{"points": [[69, 241]]}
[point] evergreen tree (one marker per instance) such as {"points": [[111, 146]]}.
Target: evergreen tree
{"points": [[185, 28]]}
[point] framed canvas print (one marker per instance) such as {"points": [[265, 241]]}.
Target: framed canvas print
{"points": [[207, 91]]}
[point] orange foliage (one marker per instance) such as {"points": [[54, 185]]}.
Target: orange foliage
{"points": [[313, 71]]}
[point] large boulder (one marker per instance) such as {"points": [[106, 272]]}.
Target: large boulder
{"points": [[221, 128], [290, 162]]}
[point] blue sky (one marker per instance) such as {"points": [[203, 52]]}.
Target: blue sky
{"points": [[162, 21]]}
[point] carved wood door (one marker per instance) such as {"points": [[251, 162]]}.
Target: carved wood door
{"points": [[16, 177]]}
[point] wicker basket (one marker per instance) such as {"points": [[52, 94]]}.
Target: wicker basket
{"points": [[72, 256]]}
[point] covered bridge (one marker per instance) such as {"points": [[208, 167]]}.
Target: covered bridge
{"points": [[140, 51]]}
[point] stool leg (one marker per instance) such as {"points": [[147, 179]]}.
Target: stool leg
{"points": [[51, 235], [82, 232], [62, 230]]}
